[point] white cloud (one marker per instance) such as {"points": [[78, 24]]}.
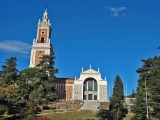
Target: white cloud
{"points": [[15, 46], [115, 11]]}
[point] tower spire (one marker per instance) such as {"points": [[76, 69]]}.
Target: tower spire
{"points": [[46, 7]]}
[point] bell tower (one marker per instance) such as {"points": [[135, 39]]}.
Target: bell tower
{"points": [[41, 45]]}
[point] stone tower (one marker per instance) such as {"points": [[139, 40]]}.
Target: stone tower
{"points": [[41, 45]]}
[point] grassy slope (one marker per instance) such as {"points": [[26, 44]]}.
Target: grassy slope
{"points": [[74, 115]]}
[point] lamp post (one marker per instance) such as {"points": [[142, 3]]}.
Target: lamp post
{"points": [[146, 98]]}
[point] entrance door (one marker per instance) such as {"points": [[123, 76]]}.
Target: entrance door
{"points": [[89, 96]]}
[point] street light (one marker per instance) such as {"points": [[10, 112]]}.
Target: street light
{"points": [[146, 98]]}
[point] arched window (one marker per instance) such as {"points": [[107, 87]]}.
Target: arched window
{"points": [[42, 39], [90, 84]]}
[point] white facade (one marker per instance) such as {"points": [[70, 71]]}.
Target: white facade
{"points": [[81, 90]]}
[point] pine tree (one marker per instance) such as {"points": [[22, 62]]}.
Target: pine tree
{"points": [[116, 103], [9, 71], [133, 94], [17, 107], [149, 73], [44, 83], [25, 82]]}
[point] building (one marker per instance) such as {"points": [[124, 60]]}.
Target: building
{"points": [[89, 86], [41, 45]]}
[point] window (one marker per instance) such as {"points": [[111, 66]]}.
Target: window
{"points": [[40, 58], [43, 32], [89, 96], [90, 85], [40, 51], [42, 39], [84, 97], [95, 86], [85, 86], [95, 97]]}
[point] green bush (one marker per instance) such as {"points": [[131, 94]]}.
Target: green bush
{"points": [[3, 109], [38, 109]]}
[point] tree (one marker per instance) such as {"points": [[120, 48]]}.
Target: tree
{"points": [[17, 106], [9, 71], [44, 82], [116, 103], [29, 72], [11, 98], [25, 82], [149, 73], [133, 95]]}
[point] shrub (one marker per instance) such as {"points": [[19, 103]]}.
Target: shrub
{"points": [[3, 109]]}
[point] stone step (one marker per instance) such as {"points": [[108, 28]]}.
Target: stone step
{"points": [[90, 105]]}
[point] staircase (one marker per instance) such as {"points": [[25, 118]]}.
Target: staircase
{"points": [[90, 105]]}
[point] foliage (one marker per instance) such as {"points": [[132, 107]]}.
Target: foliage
{"points": [[25, 82], [5, 93], [29, 72], [10, 96], [116, 103], [103, 113], [44, 82], [3, 109], [149, 72], [133, 95], [17, 106], [9, 71]]}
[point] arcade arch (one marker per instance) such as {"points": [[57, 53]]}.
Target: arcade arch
{"points": [[90, 89]]}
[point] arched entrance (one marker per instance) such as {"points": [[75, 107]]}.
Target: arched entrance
{"points": [[90, 88]]}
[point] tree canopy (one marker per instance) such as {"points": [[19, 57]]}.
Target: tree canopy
{"points": [[9, 71], [44, 82], [149, 73], [21, 93], [116, 103]]}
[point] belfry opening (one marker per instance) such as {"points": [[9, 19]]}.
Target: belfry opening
{"points": [[42, 39]]}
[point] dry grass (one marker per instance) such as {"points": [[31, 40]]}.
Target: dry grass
{"points": [[129, 115], [75, 115]]}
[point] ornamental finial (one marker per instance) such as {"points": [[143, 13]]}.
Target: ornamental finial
{"points": [[82, 69], [46, 7], [98, 69], [45, 16], [90, 66]]}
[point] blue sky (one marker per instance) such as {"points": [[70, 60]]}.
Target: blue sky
{"points": [[110, 34]]}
